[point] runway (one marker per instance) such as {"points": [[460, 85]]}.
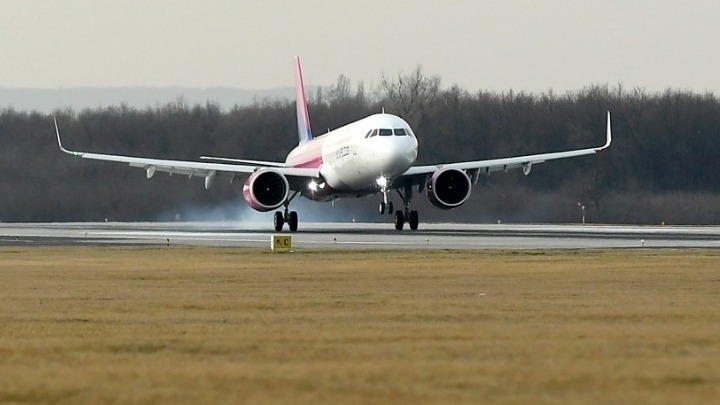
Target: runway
{"points": [[363, 235]]}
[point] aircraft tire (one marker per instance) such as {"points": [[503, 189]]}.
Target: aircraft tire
{"points": [[293, 221], [278, 221], [399, 220], [414, 220], [381, 207]]}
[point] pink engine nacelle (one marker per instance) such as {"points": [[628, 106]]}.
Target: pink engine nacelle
{"points": [[448, 188], [266, 190]]}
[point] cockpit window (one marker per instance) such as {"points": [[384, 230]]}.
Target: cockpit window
{"points": [[400, 131], [385, 132], [368, 134], [374, 133]]}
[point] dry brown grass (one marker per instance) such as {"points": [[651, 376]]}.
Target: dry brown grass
{"points": [[118, 324]]}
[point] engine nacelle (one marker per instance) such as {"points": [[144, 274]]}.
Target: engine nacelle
{"points": [[266, 190], [448, 188]]}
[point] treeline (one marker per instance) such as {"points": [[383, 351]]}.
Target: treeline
{"points": [[663, 166]]}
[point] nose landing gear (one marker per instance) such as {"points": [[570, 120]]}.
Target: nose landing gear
{"points": [[385, 206]]}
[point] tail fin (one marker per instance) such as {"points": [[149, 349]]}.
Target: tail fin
{"points": [[303, 119]]}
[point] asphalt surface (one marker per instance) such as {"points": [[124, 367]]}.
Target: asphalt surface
{"points": [[363, 235]]}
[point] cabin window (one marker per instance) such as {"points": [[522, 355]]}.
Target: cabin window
{"points": [[385, 132], [400, 132]]}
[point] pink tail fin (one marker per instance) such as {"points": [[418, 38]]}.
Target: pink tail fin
{"points": [[303, 119]]}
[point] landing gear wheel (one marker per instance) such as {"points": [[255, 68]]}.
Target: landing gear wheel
{"points": [[293, 221], [399, 220], [413, 220], [381, 207], [279, 221], [390, 207]]}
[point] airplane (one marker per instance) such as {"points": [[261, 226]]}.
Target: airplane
{"points": [[374, 155]]}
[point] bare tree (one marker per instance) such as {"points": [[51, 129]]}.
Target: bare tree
{"points": [[340, 91], [411, 95]]}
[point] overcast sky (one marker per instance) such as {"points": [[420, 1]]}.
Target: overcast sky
{"points": [[488, 45]]}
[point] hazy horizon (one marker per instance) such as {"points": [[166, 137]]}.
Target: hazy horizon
{"points": [[81, 98]]}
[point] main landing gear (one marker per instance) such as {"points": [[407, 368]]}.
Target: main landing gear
{"points": [[411, 217], [289, 217], [404, 215]]}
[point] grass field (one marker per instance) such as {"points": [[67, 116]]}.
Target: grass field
{"points": [[132, 324]]}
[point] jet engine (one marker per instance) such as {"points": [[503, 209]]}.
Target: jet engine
{"points": [[448, 188], [266, 190]]}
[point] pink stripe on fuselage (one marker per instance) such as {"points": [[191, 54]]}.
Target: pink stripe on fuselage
{"points": [[307, 155], [310, 164]]}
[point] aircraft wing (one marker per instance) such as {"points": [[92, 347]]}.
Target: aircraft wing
{"points": [[209, 171], [505, 164]]}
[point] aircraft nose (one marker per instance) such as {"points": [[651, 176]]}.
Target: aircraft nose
{"points": [[399, 153]]}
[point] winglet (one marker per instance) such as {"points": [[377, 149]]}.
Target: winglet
{"points": [[303, 119], [57, 132], [609, 134]]}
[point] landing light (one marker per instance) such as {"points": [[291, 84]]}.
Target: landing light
{"points": [[314, 186], [382, 181]]}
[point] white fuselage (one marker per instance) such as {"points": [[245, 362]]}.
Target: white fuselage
{"points": [[352, 158]]}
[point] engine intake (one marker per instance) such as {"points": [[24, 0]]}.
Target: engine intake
{"points": [[266, 190], [448, 188]]}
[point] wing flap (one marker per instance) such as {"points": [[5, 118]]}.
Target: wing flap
{"points": [[244, 161]]}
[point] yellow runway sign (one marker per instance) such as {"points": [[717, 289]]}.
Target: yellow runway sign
{"points": [[281, 242]]}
